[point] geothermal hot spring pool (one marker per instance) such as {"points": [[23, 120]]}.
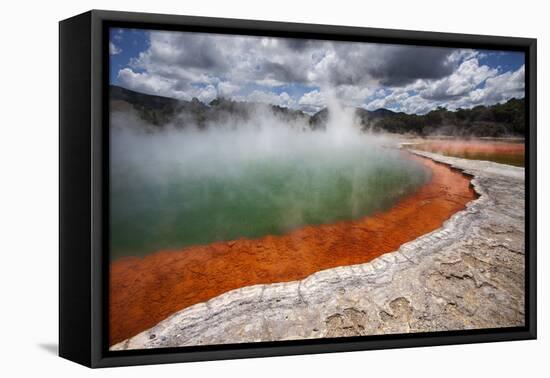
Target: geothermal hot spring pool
{"points": [[175, 189], [195, 214]]}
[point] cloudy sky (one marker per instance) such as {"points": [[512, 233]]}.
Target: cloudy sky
{"points": [[297, 73]]}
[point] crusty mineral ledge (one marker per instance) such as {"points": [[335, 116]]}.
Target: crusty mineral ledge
{"points": [[467, 274]]}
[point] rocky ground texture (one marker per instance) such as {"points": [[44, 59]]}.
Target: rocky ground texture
{"points": [[468, 274]]}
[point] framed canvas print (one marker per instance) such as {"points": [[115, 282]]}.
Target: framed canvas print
{"points": [[234, 188]]}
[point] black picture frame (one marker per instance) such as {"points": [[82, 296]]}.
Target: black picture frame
{"points": [[83, 196]]}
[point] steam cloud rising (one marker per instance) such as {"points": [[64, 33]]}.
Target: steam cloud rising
{"points": [[174, 187]]}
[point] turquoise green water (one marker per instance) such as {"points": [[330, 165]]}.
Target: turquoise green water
{"points": [[177, 192]]}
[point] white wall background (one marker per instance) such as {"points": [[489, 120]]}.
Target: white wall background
{"points": [[29, 188]]}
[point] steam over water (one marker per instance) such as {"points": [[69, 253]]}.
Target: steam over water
{"points": [[180, 187]]}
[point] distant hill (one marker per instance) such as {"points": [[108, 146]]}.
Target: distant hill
{"points": [[160, 111], [142, 100], [506, 119], [156, 110]]}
